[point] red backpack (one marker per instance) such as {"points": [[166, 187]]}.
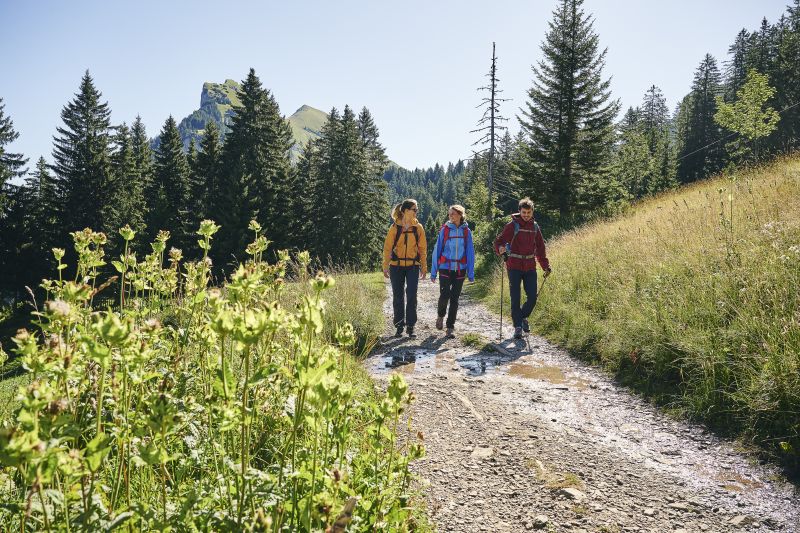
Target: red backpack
{"points": [[442, 258]]}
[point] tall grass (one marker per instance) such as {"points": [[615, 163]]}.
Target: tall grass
{"points": [[693, 296], [190, 407]]}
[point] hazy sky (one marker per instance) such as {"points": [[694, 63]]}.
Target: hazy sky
{"points": [[415, 64]]}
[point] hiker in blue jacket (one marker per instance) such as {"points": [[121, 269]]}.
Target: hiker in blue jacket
{"points": [[453, 259]]}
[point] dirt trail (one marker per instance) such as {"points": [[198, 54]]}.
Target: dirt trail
{"points": [[522, 440]]}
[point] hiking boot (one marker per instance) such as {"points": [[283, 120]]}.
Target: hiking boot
{"points": [[399, 332], [450, 333], [440, 323], [517, 333], [525, 326], [411, 334]]}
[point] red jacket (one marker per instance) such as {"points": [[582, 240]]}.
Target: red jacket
{"points": [[529, 242]]}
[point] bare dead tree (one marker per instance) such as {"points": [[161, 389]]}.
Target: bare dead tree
{"points": [[490, 124]]}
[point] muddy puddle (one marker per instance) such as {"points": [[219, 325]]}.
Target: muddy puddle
{"points": [[473, 364]]}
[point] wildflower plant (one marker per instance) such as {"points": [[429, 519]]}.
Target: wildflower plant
{"points": [[192, 407]]}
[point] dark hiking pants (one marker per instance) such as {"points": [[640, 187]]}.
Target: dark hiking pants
{"points": [[404, 279], [528, 280], [450, 284]]}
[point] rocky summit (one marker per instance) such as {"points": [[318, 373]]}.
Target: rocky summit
{"points": [[216, 103]]}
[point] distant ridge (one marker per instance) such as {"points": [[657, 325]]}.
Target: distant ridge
{"points": [[216, 103]]}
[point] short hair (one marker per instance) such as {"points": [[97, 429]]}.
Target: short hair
{"points": [[460, 210], [526, 203]]}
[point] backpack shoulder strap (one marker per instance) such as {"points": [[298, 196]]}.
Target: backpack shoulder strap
{"points": [[398, 230], [516, 231]]}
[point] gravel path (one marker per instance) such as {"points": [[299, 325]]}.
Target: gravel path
{"points": [[521, 439]]}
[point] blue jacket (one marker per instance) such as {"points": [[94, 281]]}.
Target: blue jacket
{"points": [[455, 249]]}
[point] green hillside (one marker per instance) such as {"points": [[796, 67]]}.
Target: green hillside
{"points": [[693, 297], [306, 124]]}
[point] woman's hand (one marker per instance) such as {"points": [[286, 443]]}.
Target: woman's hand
{"points": [[386, 274]]}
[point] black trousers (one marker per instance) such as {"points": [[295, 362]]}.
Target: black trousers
{"points": [[450, 284], [528, 280], [404, 279]]}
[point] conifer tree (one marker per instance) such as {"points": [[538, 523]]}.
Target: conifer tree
{"points": [[787, 81], [168, 196], [343, 173], [736, 66], [11, 164], [82, 159], [45, 211], [701, 153], [259, 181], [142, 154], [126, 190], [207, 172], [569, 118]]}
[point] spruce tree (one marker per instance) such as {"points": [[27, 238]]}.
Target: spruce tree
{"points": [[569, 118], [259, 181], [142, 153], [787, 81], [82, 159], [168, 195], [206, 184], [45, 212], [736, 66], [126, 203], [11, 164], [343, 172], [701, 153]]}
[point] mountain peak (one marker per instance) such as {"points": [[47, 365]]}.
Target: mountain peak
{"points": [[217, 101]]}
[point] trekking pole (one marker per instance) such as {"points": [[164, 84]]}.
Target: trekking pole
{"points": [[502, 275], [538, 295]]}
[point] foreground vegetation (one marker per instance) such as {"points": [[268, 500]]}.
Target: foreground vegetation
{"points": [[189, 407], [694, 296]]}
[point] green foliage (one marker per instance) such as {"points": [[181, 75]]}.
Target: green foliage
{"points": [[346, 192], [748, 115], [700, 151], [82, 160], [693, 297], [258, 181], [568, 119], [195, 408], [11, 164], [168, 196]]}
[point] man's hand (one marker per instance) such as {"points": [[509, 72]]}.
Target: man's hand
{"points": [[386, 274], [504, 255], [547, 272]]}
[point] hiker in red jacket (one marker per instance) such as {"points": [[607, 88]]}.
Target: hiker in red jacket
{"points": [[521, 244]]}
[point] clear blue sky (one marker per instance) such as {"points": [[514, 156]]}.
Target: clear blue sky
{"points": [[415, 64]]}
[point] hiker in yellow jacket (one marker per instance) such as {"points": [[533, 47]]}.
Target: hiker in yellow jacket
{"points": [[404, 262]]}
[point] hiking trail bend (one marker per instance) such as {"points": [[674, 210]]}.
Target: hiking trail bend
{"points": [[522, 439]]}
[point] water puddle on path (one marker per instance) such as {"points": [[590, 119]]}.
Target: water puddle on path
{"points": [[549, 374], [409, 361], [425, 360]]}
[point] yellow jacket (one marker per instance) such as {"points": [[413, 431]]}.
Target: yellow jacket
{"points": [[409, 251]]}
